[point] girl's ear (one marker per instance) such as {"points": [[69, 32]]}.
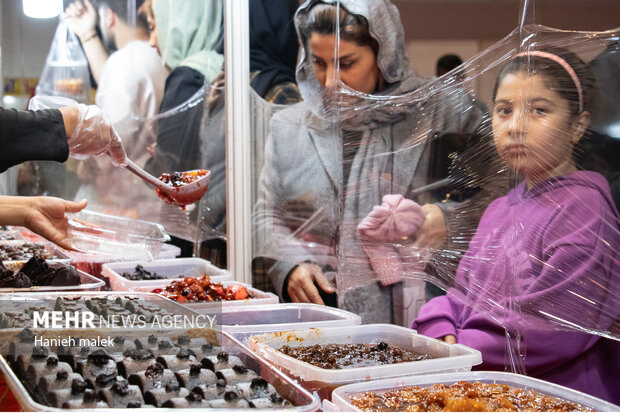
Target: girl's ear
{"points": [[579, 126]]}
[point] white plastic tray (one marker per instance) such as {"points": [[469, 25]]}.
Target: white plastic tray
{"points": [[245, 321], [447, 357], [170, 268], [302, 400], [342, 395]]}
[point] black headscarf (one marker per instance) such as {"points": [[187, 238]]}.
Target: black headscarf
{"points": [[273, 43]]}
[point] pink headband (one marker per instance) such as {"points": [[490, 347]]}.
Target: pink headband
{"points": [[566, 67]]}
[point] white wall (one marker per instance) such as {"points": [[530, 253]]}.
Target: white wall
{"points": [[25, 41]]}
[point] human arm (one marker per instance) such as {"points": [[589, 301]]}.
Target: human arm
{"points": [[81, 18], [46, 216], [32, 135], [278, 181]]}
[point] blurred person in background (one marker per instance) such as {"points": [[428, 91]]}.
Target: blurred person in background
{"points": [[130, 79], [446, 63], [304, 172], [185, 34], [273, 55]]}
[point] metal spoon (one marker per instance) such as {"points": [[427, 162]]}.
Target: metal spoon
{"points": [[175, 195]]}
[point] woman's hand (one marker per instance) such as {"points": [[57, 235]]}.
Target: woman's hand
{"points": [[450, 339], [433, 232], [301, 287], [43, 215]]}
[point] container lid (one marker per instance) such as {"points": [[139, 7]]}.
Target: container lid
{"points": [[342, 395], [447, 357], [284, 317], [114, 238]]}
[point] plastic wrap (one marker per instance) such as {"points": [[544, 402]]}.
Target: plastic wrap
{"points": [[66, 69], [512, 216]]}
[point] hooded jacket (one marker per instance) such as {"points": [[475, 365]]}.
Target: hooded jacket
{"points": [[385, 150], [557, 244]]}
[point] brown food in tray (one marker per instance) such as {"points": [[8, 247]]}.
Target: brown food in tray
{"points": [[462, 397], [339, 356]]}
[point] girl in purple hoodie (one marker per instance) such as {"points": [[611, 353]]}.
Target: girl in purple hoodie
{"points": [[543, 267]]}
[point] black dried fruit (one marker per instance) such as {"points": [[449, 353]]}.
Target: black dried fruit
{"points": [[231, 396], [39, 352], [78, 386], [26, 336], [239, 369], [183, 340], [121, 388], [194, 370], [99, 357]]}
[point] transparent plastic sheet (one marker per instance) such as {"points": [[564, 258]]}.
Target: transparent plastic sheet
{"points": [[541, 261], [117, 191]]}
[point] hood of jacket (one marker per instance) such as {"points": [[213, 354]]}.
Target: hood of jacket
{"points": [[386, 28]]}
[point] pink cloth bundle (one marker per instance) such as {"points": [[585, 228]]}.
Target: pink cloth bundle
{"points": [[394, 219]]}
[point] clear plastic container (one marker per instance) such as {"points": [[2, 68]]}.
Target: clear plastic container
{"points": [[169, 251], [170, 268], [112, 238], [446, 357], [342, 396], [301, 399], [87, 283], [246, 321]]}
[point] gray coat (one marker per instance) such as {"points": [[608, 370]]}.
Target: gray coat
{"points": [[384, 145]]}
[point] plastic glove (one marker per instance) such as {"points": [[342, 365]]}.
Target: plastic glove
{"points": [[395, 218], [93, 133]]}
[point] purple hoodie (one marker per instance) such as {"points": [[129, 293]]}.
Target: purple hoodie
{"points": [[558, 245]]}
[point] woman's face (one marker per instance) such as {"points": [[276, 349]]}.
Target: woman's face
{"points": [[532, 128], [358, 64], [153, 39]]}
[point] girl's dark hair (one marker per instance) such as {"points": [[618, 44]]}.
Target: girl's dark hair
{"points": [[560, 81], [556, 77], [322, 18]]}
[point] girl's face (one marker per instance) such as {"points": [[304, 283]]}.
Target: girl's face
{"points": [[532, 128], [358, 64]]}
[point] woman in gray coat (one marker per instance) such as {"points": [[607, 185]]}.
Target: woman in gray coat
{"points": [[332, 157]]}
